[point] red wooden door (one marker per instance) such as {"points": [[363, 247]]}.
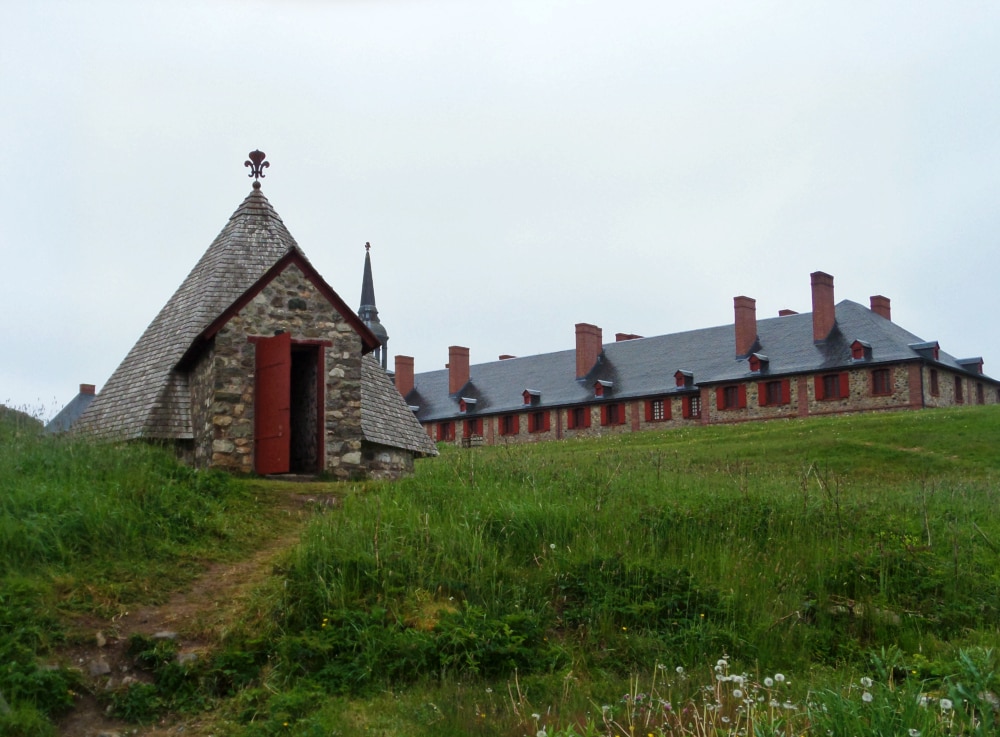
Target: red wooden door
{"points": [[272, 404]]}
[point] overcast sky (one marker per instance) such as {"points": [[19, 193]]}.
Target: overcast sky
{"points": [[518, 167]]}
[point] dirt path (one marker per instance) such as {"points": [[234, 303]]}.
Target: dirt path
{"points": [[195, 618]]}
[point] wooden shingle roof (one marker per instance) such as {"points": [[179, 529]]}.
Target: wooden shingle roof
{"points": [[145, 396], [386, 419]]}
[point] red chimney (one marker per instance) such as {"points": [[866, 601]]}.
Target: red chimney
{"points": [[458, 368], [824, 316], [588, 347], [746, 324], [786, 313], [404, 374], [880, 306], [88, 389]]}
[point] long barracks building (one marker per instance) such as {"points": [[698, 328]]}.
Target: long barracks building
{"points": [[843, 357]]}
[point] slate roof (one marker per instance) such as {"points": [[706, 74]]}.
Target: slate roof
{"points": [[645, 367], [385, 418], [69, 414]]}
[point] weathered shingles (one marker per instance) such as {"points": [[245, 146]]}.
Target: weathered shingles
{"points": [[385, 417], [145, 396]]}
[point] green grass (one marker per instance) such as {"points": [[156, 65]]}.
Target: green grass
{"points": [[555, 579]]}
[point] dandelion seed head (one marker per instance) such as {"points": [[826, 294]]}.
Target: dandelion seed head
{"points": [[779, 677], [914, 732], [866, 682], [680, 670], [768, 682], [866, 697], [737, 693], [945, 704]]}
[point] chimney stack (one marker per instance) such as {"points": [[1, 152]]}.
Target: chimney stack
{"points": [[588, 347], [404, 374], [88, 389], [880, 306], [458, 368], [824, 315], [746, 325]]}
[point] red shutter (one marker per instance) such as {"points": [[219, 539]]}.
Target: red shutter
{"points": [[586, 416], [272, 404], [819, 388], [743, 396], [762, 394], [604, 414], [666, 408], [720, 398], [546, 422], [845, 385], [686, 408], [649, 410], [786, 391]]}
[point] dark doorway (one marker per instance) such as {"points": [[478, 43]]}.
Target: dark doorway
{"points": [[305, 404]]}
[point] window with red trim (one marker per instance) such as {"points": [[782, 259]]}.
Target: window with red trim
{"points": [[731, 397], [472, 427], [509, 424], [657, 410], [691, 407], [538, 421], [613, 414], [881, 382], [578, 418], [833, 386], [446, 431], [774, 393]]}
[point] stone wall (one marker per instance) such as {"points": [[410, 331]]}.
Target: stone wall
{"points": [[382, 462], [224, 425]]}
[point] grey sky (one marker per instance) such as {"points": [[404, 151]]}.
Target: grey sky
{"points": [[517, 166]]}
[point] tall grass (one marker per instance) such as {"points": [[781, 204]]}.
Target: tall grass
{"points": [[791, 545], [93, 527]]}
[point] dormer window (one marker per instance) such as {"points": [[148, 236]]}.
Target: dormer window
{"points": [[758, 362], [975, 365], [466, 404], [861, 351], [602, 388], [929, 350], [531, 397], [684, 379]]}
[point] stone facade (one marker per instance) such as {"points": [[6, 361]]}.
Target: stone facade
{"points": [[908, 386], [222, 381]]}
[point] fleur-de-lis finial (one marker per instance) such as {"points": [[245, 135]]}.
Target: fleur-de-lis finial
{"points": [[368, 246], [257, 166]]}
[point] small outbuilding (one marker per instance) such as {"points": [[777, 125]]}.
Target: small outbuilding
{"points": [[255, 364]]}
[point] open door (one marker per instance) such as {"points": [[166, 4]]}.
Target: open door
{"points": [[272, 404]]}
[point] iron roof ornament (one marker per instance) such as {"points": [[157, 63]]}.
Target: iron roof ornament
{"points": [[257, 165]]}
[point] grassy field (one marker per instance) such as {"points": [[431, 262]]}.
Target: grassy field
{"points": [[830, 576]]}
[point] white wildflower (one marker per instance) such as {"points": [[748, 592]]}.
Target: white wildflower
{"points": [[866, 697], [946, 704], [779, 677], [866, 682]]}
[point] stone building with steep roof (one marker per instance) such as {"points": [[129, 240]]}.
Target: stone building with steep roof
{"points": [[843, 357], [255, 364]]}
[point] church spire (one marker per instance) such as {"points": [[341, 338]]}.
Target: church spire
{"points": [[369, 313]]}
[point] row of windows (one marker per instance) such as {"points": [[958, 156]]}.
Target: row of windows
{"points": [[577, 418], [773, 393]]}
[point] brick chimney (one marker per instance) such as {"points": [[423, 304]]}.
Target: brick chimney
{"points": [[458, 368], [88, 389], [588, 347], [746, 325], [880, 306], [824, 316], [404, 374]]}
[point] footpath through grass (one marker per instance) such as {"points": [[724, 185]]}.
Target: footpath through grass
{"points": [[831, 576]]}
